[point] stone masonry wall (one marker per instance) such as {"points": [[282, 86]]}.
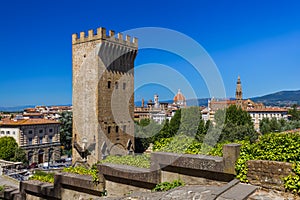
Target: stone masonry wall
{"points": [[103, 87], [268, 174]]}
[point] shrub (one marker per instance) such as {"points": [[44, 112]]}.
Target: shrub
{"points": [[292, 182], [283, 147], [83, 171], [43, 177], [165, 186]]}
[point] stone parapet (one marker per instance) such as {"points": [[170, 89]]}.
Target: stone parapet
{"points": [[133, 175], [101, 34], [199, 162], [66, 186], [268, 174]]}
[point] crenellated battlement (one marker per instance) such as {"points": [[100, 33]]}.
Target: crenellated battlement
{"points": [[101, 34]]}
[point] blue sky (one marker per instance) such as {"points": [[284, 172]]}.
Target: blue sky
{"points": [[258, 40]]}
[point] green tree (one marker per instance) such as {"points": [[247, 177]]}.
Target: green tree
{"points": [[175, 123], [10, 151], [265, 126], [190, 119], [144, 122], [145, 131], [235, 124], [20, 156], [66, 130], [8, 146], [295, 114], [164, 132]]}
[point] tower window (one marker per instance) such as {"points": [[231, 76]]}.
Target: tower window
{"points": [[116, 85], [117, 129], [108, 84], [108, 129], [124, 86], [124, 128]]}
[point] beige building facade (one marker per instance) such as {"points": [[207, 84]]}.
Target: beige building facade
{"points": [[39, 138]]}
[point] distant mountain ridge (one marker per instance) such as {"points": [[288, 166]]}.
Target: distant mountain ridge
{"points": [[21, 108], [282, 98], [15, 108]]}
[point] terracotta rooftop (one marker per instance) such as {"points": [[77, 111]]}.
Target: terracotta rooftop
{"points": [[293, 131], [7, 121], [179, 96], [267, 110], [32, 114], [229, 102]]}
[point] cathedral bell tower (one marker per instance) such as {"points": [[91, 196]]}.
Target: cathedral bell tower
{"points": [[239, 93]]}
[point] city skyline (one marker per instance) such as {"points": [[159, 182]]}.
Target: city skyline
{"points": [[253, 39]]}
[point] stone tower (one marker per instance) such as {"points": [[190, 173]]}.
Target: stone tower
{"points": [[239, 93], [103, 87]]}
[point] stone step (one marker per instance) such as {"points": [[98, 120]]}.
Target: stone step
{"points": [[240, 191]]}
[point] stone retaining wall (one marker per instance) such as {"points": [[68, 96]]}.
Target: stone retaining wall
{"points": [[66, 186], [120, 180], [268, 174], [192, 169]]}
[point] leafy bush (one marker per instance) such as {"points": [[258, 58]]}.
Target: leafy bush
{"points": [[284, 147], [188, 145], [292, 182], [142, 161], [165, 186], [43, 176], [2, 188], [83, 171], [176, 144]]}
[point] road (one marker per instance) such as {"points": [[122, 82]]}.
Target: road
{"points": [[9, 182]]}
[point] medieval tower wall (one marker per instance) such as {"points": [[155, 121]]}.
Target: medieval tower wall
{"points": [[103, 88]]}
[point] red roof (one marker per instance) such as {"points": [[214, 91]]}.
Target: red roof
{"points": [[10, 122], [267, 110], [179, 97]]}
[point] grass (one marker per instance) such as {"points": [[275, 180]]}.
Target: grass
{"points": [[141, 161]]}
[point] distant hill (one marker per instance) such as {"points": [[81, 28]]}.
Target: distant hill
{"points": [[283, 98], [189, 102], [21, 108], [15, 108]]}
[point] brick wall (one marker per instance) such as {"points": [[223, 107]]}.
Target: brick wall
{"points": [[268, 174]]}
